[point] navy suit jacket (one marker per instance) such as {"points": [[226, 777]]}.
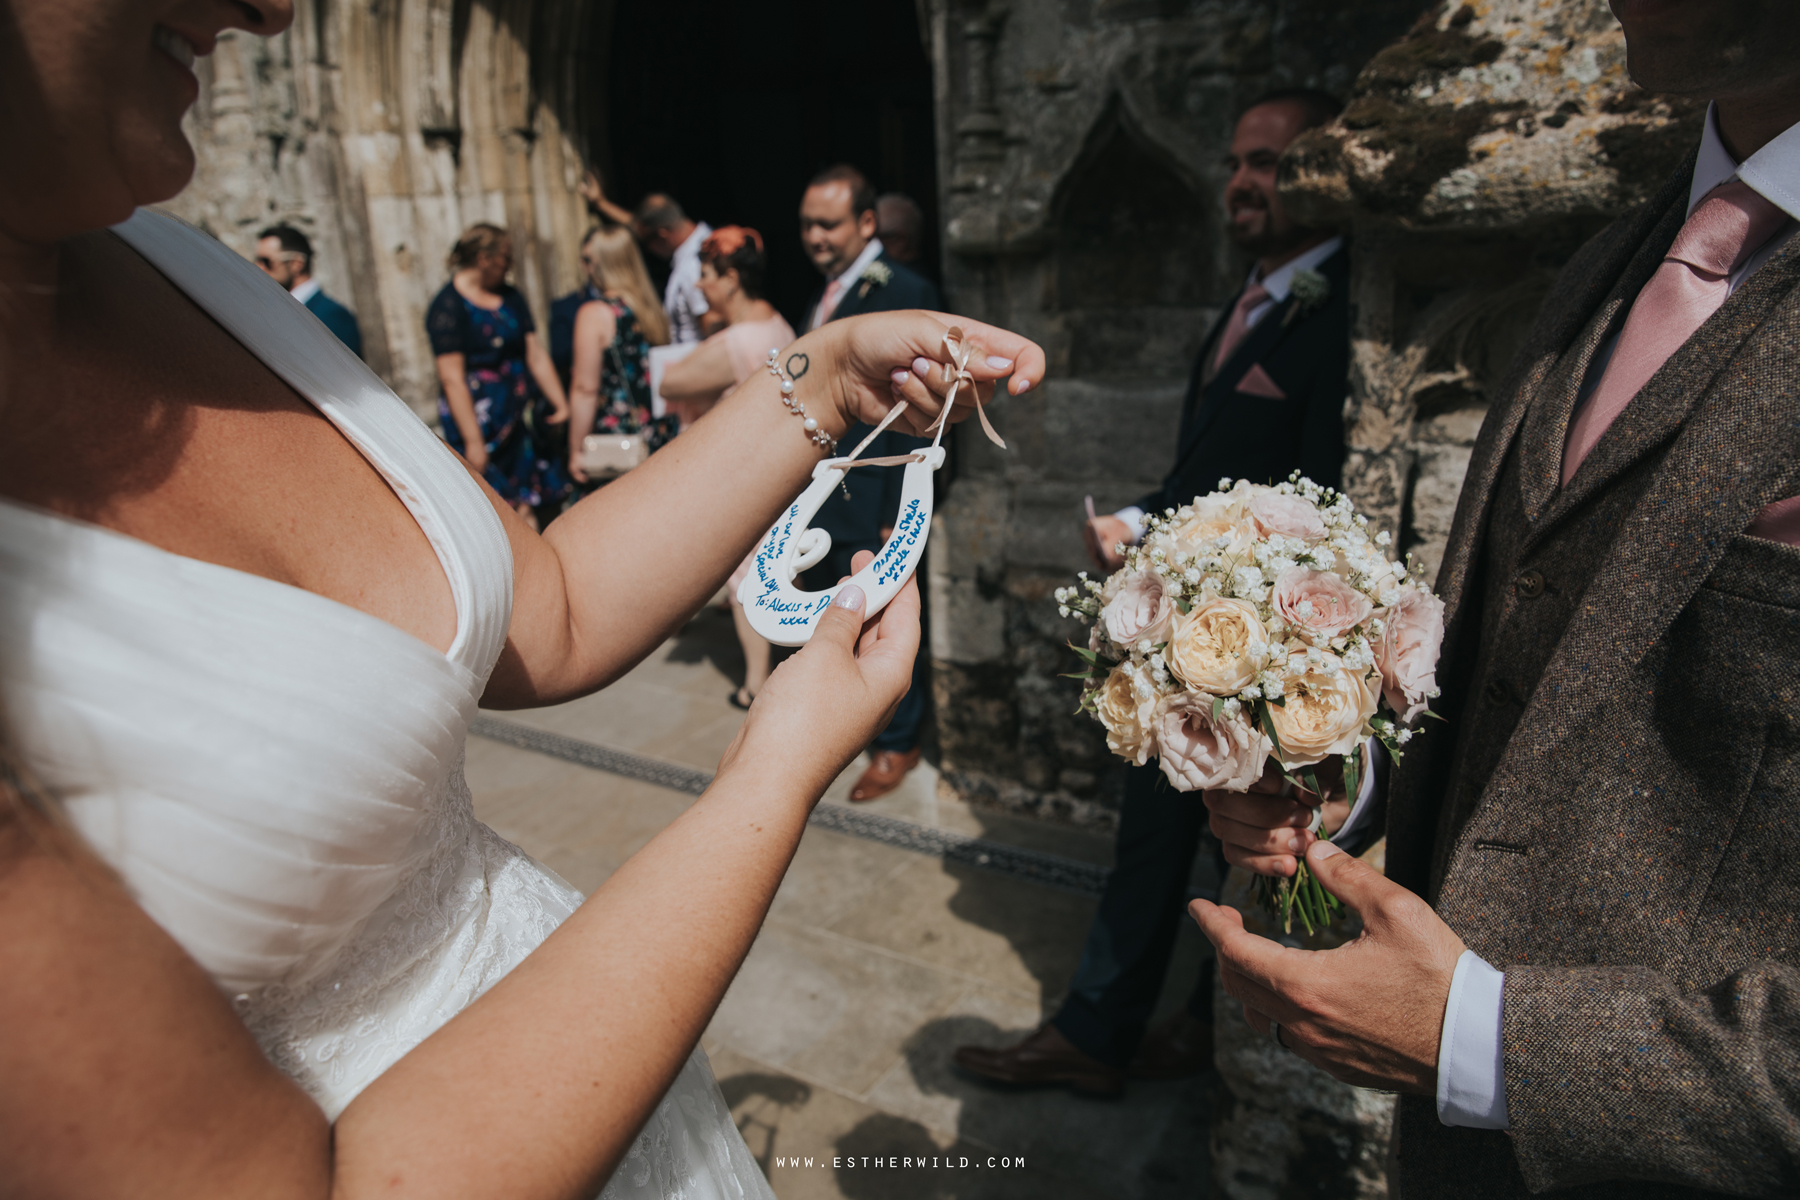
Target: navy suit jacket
{"points": [[1244, 435], [856, 524], [340, 320]]}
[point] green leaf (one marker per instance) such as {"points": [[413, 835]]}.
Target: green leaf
{"points": [[1218, 708], [1353, 774], [1268, 726], [1312, 781], [1085, 653]]}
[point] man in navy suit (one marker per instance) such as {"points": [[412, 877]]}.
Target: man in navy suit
{"points": [[837, 227], [286, 254], [1266, 398]]}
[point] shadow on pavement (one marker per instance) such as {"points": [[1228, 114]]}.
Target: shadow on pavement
{"points": [[761, 1101]]}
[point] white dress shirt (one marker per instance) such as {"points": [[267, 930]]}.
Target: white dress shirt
{"points": [[849, 275], [305, 291], [1279, 284], [681, 296], [1471, 1069]]}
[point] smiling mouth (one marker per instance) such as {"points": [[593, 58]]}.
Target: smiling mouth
{"points": [[174, 45]]}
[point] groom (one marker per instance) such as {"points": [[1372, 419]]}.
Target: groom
{"points": [[1584, 965]]}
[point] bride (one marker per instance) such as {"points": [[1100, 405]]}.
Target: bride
{"points": [[252, 939]]}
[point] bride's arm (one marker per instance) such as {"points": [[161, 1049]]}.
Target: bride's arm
{"points": [[621, 571], [123, 1071]]}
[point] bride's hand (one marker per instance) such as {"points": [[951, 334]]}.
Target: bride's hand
{"points": [[866, 363], [824, 705]]}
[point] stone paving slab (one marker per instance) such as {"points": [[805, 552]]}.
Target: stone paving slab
{"points": [[834, 1040]]}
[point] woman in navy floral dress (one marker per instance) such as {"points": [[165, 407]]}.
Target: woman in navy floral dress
{"points": [[610, 381], [500, 398]]}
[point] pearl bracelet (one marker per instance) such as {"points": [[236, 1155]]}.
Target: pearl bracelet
{"points": [[811, 424]]}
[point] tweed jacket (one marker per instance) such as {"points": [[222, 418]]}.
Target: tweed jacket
{"points": [[1611, 815]]}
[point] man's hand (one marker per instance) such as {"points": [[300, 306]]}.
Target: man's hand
{"points": [[1369, 1013], [1103, 535], [1264, 828]]}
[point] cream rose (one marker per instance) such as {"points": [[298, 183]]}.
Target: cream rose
{"points": [[1319, 601], [1408, 651], [1322, 713], [1218, 647], [1197, 752], [1126, 705], [1290, 516], [1141, 609], [1214, 517]]}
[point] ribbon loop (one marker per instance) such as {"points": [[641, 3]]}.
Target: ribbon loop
{"points": [[956, 374]]}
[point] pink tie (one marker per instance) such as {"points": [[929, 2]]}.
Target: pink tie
{"points": [[829, 302], [1724, 229], [1238, 327]]}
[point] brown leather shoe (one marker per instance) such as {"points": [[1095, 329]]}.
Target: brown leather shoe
{"points": [[1045, 1059], [885, 772], [1179, 1048]]}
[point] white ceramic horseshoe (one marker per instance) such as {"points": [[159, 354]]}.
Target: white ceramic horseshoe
{"points": [[770, 593]]}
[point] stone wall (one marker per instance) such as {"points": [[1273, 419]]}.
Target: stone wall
{"points": [[382, 131], [1482, 144]]}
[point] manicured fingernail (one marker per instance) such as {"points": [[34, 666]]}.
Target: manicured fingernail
{"points": [[921, 367], [998, 363], [851, 598], [1024, 386], [900, 375], [1326, 850]]}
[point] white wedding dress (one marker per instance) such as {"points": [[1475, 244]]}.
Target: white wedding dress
{"points": [[278, 777]]}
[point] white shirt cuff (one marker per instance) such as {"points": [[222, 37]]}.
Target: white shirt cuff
{"points": [[1471, 1081], [1372, 783], [1134, 520]]}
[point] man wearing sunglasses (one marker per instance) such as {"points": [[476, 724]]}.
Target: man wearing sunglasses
{"points": [[286, 254]]}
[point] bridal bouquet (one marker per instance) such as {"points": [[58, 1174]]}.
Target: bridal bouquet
{"points": [[1258, 625]]}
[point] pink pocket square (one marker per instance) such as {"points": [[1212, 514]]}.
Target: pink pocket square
{"points": [[1780, 522], [1256, 382]]}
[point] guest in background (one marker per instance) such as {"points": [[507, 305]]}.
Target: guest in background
{"points": [[900, 224], [732, 264], [496, 376], [286, 254], [837, 227], [1266, 397], [612, 335], [669, 233]]}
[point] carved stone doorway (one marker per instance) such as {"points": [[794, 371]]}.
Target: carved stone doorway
{"points": [[731, 106]]}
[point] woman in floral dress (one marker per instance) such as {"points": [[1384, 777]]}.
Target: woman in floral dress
{"points": [[610, 380], [500, 398]]}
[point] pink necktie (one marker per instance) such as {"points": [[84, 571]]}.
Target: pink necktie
{"points": [[829, 302], [1238, 327], [1724, 229]]}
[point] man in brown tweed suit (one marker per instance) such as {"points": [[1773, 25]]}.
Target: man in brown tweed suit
{"points": [[1583, 969]]}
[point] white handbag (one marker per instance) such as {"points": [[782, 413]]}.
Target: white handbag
{"points": [[608, 456]]}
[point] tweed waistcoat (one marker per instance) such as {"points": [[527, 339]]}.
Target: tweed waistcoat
{"points": [[1612, 813]]}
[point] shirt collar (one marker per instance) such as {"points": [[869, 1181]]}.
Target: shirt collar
{"points": [[305, 291], [1773, 171], [691, 247], [854, 271], [1281, 280]]}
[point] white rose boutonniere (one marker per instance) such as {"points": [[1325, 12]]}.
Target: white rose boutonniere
{"points": [[876, 274], [1309, 289]]}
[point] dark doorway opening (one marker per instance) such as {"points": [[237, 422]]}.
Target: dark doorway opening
{"points": [[731, 106]]}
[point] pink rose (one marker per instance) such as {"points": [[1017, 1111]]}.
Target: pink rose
{"points": [[1320, 601], [1290, 516], [1198, 752], [1408, 652], [1141, 609]]}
